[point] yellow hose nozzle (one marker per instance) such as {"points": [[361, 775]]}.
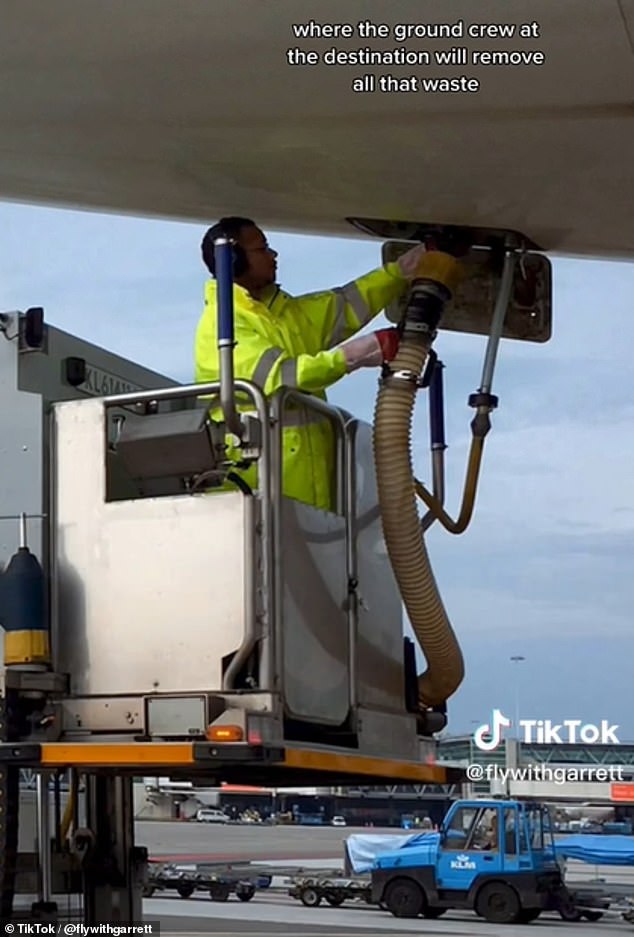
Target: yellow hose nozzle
{"points": [[440, 267]]}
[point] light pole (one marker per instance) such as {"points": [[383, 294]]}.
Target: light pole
{"points": [[517, 659]]}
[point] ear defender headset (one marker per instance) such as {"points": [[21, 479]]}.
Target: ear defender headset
{"points": [[227, 228]]}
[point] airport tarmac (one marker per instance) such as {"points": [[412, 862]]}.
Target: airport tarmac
{"points": [[244, 841], [271, 915], [275, 913]]}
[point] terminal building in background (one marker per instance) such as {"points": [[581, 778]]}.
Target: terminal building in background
{"points": [[592, 804]]}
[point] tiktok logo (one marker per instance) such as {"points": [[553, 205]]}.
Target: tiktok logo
{"points": [[498, 722]]}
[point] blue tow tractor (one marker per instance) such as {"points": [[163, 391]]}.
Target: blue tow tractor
{"points": [[495, 857]]}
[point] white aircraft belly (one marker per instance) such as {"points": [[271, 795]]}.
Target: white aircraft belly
{"points": [[188, 109]]}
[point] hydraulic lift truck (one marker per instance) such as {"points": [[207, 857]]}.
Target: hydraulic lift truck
{"points": [[124, 657]]}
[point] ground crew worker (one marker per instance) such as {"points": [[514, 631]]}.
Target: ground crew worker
{"points": [[293, 341]]}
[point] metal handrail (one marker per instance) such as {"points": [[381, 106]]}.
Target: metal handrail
{"points": [[264, 478], [270, 485], [346, 506]]}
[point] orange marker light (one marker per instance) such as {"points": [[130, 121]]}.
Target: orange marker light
{"points": [[225, 733]]}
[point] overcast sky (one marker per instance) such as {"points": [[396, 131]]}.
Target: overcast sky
{"points": [[545, 570]]}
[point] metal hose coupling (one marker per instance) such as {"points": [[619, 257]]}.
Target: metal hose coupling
{"points": [[438, 276]]}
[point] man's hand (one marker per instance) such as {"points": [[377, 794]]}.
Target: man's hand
{"points": [[455, 241], [408, 262], [370, 351]]}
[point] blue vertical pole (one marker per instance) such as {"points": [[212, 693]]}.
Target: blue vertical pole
{"points": [[437, 409], [223, 255]]}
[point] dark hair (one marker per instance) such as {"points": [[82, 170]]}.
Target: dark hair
{"points": [[229, 227]]}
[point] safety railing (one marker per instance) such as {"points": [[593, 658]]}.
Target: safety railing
{"points": [[270, 468], [345, 498], [253, 630]]}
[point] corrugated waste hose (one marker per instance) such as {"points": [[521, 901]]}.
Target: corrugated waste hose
{"points": [[402, 529]]}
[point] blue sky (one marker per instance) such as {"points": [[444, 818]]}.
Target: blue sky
{"points": [[545, 571]]}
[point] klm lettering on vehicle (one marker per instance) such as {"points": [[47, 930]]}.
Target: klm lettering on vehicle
{"points": [[462, 862], [101, 384]]}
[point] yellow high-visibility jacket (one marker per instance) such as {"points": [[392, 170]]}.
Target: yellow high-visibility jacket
{"points": [[290, 341]]}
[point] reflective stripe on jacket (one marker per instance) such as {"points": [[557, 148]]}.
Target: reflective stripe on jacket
{"points": [[284, 340]]}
